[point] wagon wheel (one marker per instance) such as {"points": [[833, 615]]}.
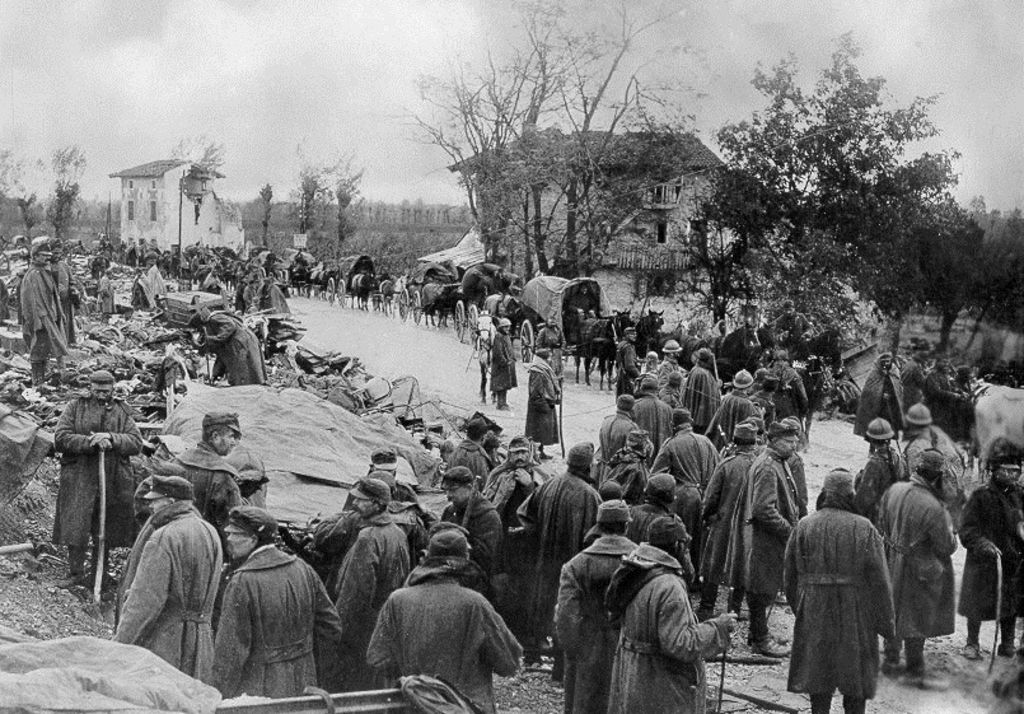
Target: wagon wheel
{"points": [[332, 290], [474, 318], [403, 305], [526, 341], [417, 307], [342, 291], [460, 320]]}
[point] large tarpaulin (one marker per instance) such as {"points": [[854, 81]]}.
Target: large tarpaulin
{"points": [[315, 445], [87, 674], [550, 297], [23, 445]]}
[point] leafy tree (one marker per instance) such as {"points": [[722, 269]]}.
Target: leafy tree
{"points": [[820, 190], [266, 204], [68, 165], [320, 184]]}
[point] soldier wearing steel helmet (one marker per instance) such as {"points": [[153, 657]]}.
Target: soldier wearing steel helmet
{"points": [[670, 364], [885, 467], [503, 364]]}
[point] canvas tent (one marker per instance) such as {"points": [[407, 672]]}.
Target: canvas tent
{"points": [[310, 447]]}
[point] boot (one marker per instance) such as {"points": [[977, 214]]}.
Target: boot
{"points": [[38, 373], [768, 648]]}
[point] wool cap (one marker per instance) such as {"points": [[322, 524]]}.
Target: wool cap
{"points": [[756, 422], [475, 429], [675, 379], [648, 385], [228, 419], [625, 403], [681, 416], [794, 423], [384, 458], [384, 475], [781, 430], [372, 489], [932, 462], [705, 355], [666, 531], [661, 486], [457, 476], [174, 487], [744, 434], [448, 542], [839, 481], [101, 376], [254, 521], [615, 511], [610, 490], [580, 457]]}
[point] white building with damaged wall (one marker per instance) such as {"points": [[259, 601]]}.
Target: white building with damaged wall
{"points": [[174, 203]]}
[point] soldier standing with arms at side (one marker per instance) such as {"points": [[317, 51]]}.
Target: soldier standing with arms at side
{"points": [[627, 368], [503, 365], [42, 317], [885, 467], [544, 397], [169, 603], [91, 424], [615, 429]]}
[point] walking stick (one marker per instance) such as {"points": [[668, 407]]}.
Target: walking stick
{"points": [[999, 607], [561, 410], [721, 677], [101, 540]]}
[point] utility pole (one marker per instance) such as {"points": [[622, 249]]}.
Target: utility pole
{"points": [[181, 190]]}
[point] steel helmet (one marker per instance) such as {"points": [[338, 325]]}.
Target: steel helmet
{"points": [[671, 347], [919, 415], [880, 430]]}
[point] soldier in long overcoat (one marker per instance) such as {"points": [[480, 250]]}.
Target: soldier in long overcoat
{"points": [[582, 624], [736, 406], [766, 513], [375, 566], [659, 661], [838, 583], [992, 526], [550, 337], [89, 424], [728, 481], [702, 393], [919, 543], [790, 395], [652, 415], [236, 347], [278, 631], [541, 417], [615, 429], [627, 368], [43, 322], [168, 606], [628, 466], [882, 396], [503, 364], [885, 467]]}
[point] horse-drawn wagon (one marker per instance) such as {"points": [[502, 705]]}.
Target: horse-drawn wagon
{"points": [[564, 303]]}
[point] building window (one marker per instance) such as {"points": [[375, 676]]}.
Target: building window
{"points": [[662, 231], [152, 210], [131, 184], [153, 184], [131, 210]]}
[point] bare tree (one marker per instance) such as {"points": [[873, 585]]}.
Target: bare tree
{"points": [[321, 183], [201, 150], [266, 201], [68, 165]]}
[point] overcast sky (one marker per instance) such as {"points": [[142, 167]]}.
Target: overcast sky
{"points": [[127, 79]]}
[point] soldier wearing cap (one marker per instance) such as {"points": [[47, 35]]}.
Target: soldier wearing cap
{"points": [[628, 466], [615, 429], [470, 451], [278, 630], [791, 327], [735, 408], [835, 569], [764, 396], [386, 459], [919, 544], [659, 498], [790, 396], [627, 366], [375, 566], [42, 315], [550, 337], [881, 397], [69, 289], [652, 415], [921, 434], [435, 624], [885, 467], [581, 621], [558, 516], [767, 512], [728, 481], [90, 424], [992, 527], [238, 353], [176, 573], [471, 510], [670, 364], [672, 392], [503, 364], [690, 458], [214, 480], [702, 394], [544, 396]]}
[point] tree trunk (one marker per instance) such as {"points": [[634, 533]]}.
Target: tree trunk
{"points": [[571, 250], [539, 239], [944, 330], [527, 253]]}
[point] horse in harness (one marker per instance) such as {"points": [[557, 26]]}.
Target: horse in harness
{"points": [[483, 338]]}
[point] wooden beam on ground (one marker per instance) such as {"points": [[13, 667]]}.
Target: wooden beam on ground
{"points": [[372, 702]]}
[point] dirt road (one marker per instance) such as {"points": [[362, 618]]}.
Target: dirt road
{"points": [[391, 349]]}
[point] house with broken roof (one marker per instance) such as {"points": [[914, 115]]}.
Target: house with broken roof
{"points": [[174, 203]]}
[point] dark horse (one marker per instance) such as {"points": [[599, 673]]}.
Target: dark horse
{"points": [[439, 301], [362, 284], [746, 348], [822, 362], [648, 332], [597, 342]]}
